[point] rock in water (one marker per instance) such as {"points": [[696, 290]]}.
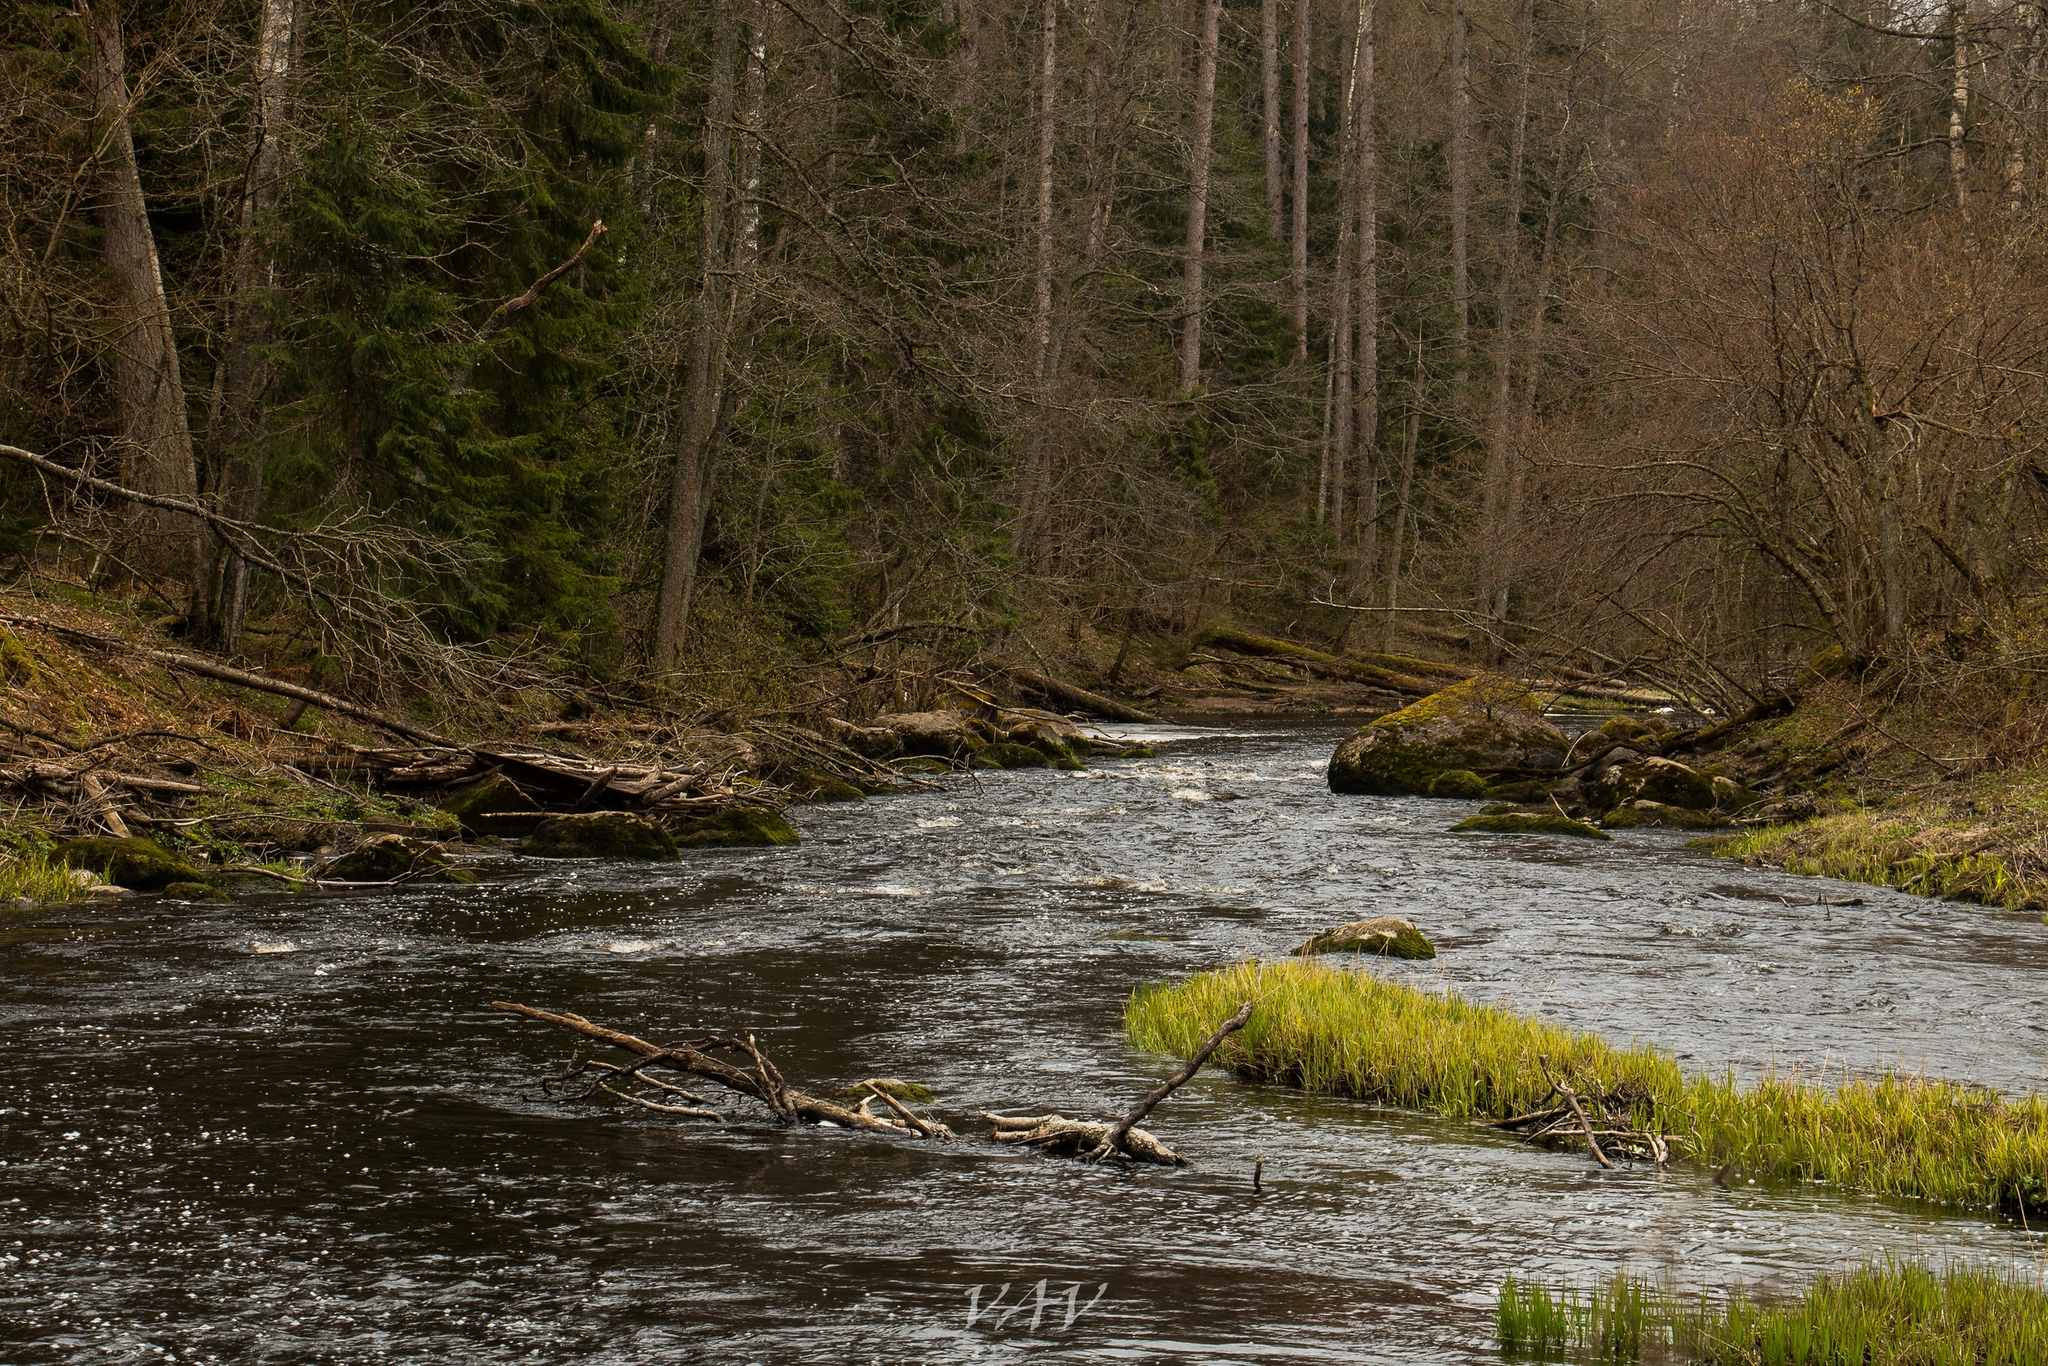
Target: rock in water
{"points": [[140, 864], [388, 858], [1457, 782], [813, 786], [1656, 815], [1536, 823], [1487, 722], [1386, 935], [601, 834], [737, 827], [1006, 755], [494, 806]]}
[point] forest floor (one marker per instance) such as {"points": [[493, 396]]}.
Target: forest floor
{"points": [[1931, 792]]}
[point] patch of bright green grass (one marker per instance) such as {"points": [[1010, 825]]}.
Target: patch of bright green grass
{"points": [[36, 880], [1340, 1032], [1862, 846], [1883, 1313]]}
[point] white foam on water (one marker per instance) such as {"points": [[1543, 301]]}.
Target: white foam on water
{"points": [[939, 823], [273, 946], [1190, 794]]}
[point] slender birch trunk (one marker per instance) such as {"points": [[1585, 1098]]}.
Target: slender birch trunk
{"points": [[1269, 125], [1365, 541], [1298, 248], [1499, 457], [1403, 496], [1198, 198], [1959, 106], [148, 389], [1461, 277], [754, 110], [690, 488], [1341, 317], [241, 379], [1031, 505]]}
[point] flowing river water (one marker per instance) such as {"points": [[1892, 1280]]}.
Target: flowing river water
{"points": [[290, 1129]]}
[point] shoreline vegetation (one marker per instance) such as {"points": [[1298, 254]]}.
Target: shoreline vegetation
{"points": [[1885, 1312], [1340, 1032]]}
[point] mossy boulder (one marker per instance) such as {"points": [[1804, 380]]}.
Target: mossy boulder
{"points": [[909, 1092], [139, 864], [737, 827], [1386, 935], [942, 734], [1523, 790], [923, 764], [1641, 814], [192, 891], [1006, 755], [1486, 722], [395, 858], [601, 834], [1529, 823], [494, 806], [823, 787], [1665, 782], [1457, 782]]}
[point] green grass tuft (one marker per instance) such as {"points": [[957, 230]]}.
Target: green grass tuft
{"points": [[32, 878], [1885, 1313], [1340, 1032], [1862, 846]]}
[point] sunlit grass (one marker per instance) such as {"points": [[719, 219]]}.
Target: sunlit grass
{"points": [[1885, 1313], [1340, 1032], [1861, 846], [34, 879]]}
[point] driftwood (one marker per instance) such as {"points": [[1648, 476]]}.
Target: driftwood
{"points": [[758, 1080], [1077, 699], [1569, 1122], [1093, 1142]]}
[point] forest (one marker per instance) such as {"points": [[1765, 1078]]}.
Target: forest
{"points": [[1663, 343]]}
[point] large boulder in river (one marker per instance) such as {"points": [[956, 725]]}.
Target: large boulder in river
{"points": [[139, 864], [1625, 776], [601, 834], [1484, 723], [1386, 935]]}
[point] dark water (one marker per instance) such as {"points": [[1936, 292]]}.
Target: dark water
{"points": [[291, 1130]]}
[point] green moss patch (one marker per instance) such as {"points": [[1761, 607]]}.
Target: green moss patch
{"points": [[1529, 823], [140, 864], [1388, 936], [1457, 782], [601, 834], [1006, 755], [737, 827]]}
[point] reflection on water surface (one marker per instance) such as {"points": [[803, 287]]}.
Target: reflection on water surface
{"points": [[291, 1129]]}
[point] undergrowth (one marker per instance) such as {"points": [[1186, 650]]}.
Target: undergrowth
{"points": [[1340, 1032]]}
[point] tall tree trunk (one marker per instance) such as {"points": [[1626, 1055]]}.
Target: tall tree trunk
{"points": [[1365, 541], [1298, 247], [754, 109], [1959, 105], [1198, 198], [1494, 494], [1461, 189], [149, 391], [1405, 493], [1037, 472], [1342, 320], [1269, 125], [703, 393], [240, 381]]}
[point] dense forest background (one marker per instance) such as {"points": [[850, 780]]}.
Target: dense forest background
{"points": [[1669, 340]]}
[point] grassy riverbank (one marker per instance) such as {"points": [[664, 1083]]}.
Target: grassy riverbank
{"points": [[1884, 1313], [1345, 1033]]}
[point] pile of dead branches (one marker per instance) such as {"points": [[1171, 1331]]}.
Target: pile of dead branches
{"points": [[1618, 1120]]}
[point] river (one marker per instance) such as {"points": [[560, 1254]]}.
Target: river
{"points": [[290, 1129]]}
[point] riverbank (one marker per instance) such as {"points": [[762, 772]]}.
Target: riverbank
{"points": [[1336, 1031]]}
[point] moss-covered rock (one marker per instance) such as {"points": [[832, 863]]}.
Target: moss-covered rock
{"points": [[140, 864], [922, 765], [1006, 755], [395, 858], [1524, 790], [1485, 722], [1649, 779], [601, 834], [1457, 782], [1529, 823], [737, 827], [1641, 814], [192, 891], [823, 787], [494, 806], [942, 734], [1503, 809], [1386, 935], [909, 1092]]}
